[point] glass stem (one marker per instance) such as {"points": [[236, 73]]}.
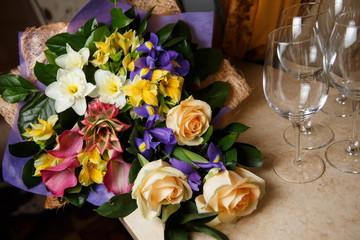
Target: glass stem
{"points": [[297, 126], [353, 147], [306, 126]]}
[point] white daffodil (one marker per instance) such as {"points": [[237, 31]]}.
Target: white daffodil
{"points": [[70, 90], [73, 59], [108, 88]]}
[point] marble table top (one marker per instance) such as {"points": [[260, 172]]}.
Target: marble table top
{"points": [[327, 208]]}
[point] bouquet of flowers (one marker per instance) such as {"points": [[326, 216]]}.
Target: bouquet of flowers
{"points": [[123, 123]]}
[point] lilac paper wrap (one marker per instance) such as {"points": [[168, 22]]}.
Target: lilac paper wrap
{"points": [[201, 26]]}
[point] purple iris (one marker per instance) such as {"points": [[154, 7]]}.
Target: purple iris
{"points": [[157, 57], [162, 134], [174, 63], [146, 110], [194, 178], [215, 155], [146, 145]]}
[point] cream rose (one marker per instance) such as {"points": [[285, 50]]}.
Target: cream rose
{"points": [[233, 194], [189, 120], [159, 184]]}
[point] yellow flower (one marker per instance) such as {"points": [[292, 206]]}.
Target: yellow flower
{"points": [[101, 56], [43, 130], [141, 89], [45, 161], [93, 167], [129, 63], [169, 85], [127, 40]]}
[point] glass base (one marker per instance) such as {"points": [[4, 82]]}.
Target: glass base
{"points": [[310, 168], [319, 136], [338, 157], [336, 108]]}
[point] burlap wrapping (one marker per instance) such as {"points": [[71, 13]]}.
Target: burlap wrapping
{"points": [[33, 44]]}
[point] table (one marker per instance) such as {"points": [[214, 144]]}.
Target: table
{"points": [[327, 208]]}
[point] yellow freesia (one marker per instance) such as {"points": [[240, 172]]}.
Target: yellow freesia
{"points": [[93, 167], [101, 56], [141, 89], [169, 85], [43, 130], [45, 161]]}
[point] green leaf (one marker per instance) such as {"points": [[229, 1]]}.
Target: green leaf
{"points": [[24, 149], [215, 94], [12, 81], [173, 41], [226, 142], [207, 135], [181, 29], [46, 73], [208, 61], [185, 49], [208, 230], [119, 19], [50, 56], [78, 199], [174, 231], [198, 217], [27, 174], [97, 35], [130, 13], [188, 156], [15, 94], [235, 127], [57, 43], [164, 33], [134, 170], [40, 106], [230, 159], [143, 161], [248, 155], [118, 206], [87, 28], [68, 119], [143, 24]]}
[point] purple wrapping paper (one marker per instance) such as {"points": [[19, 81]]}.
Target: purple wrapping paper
{"points": [[201, 25]]}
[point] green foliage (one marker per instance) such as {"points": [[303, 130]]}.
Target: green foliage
{"points": [[27, 174], [97, 35], [57, 43], [208, 61], [164, 33], [46, 73], [78, 199], [119, 19], [40, 106], [248, 155], [14, 88], [87, 28], [215, 94], [118, 206], [24, 149]]}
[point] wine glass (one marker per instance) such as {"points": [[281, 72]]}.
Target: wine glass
{"points": [[343, 68], [313, 135], [295, 87], [337, 104]]}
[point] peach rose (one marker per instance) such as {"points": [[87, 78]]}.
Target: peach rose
{"points": [[189, 120], [159, 184], [233, 194]]}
